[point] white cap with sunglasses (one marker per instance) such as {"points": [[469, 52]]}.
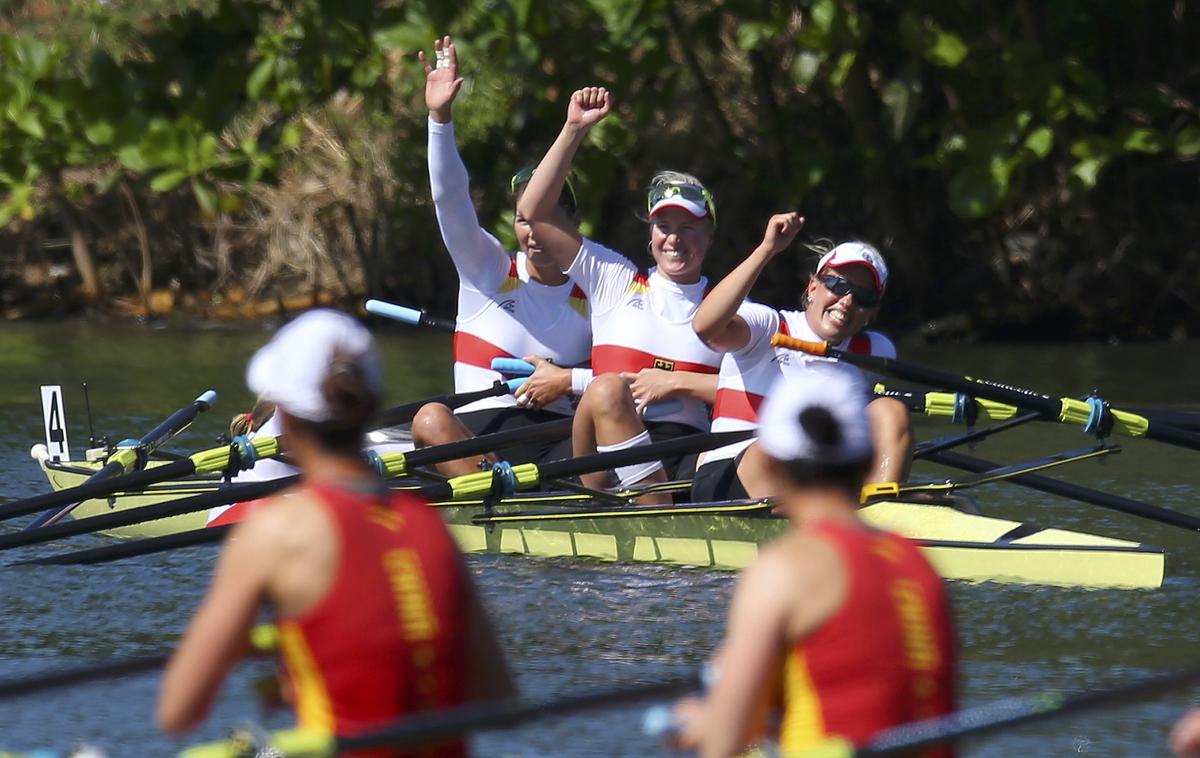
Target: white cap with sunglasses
{"points": [[697, 201], [860, 253]]}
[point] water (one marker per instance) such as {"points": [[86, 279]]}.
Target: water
{"points": [[568, 626]]}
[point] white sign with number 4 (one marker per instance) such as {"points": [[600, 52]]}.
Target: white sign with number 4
{"points": [[55, 420]]}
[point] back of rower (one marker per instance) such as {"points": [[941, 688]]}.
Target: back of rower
{"points": [[509, 305], [837, 629], [377, 614]]}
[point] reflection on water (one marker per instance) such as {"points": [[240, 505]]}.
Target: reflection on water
{"points": [[569, 625]]}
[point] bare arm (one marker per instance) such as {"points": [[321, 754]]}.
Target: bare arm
{"points": [[749, 658], [652, 384], [491, 679], [716, 322], [218, 634], [538, 204]]}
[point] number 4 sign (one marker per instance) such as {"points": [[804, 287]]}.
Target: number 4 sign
{"points": [[56, 422]]}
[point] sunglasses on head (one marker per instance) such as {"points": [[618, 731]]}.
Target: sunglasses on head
{"points": [[523, 176], [659, 192], [864, 297]]}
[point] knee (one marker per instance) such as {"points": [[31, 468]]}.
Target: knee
{"points": [[431, 422], [608, 395], [888, 417]]}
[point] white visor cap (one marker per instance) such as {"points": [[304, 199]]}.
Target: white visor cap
{"points": [[290, 369], [697, 209], [843, 395], [860, 253]]}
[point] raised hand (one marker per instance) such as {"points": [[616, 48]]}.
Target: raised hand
{"points": [[588, 106], [782, 229], [442, 81]]}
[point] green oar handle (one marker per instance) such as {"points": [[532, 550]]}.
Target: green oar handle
{"points": [[948, 404], [1062, 409], [395, 463]]}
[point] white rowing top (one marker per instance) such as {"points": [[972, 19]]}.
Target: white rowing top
{"points": [[747, 375], [502, 313], [643, 321]]}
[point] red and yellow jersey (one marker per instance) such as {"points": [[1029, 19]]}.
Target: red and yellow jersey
{"points": [[885, 657], [387, 640]]}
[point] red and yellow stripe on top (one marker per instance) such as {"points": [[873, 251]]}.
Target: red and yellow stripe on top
{"points": [[518, 319], [886, 657], [388, 638]]}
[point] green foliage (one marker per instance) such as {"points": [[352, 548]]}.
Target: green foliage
{"points": [[950, 133]]}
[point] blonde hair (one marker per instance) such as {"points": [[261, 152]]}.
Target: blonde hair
{"points": [[252, 420]]}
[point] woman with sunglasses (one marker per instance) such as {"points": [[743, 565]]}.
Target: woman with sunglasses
{"points": [[643, 348], [509, 305], [841, 299]]}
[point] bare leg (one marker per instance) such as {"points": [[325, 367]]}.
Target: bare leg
{"points": [[436, 424], [892, 435], [607, 416], [755, 475]]}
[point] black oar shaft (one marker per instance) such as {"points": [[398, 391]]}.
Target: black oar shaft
{"points": [[178, 507], [28, 685], [926, 449], [1002, 393], [435, 727], [402, 414], [103, 488], [130, 549], [910, 738], [1073, 491]]}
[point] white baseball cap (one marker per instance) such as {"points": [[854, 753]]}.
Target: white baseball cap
{"points": [[290, 369], [859, 253], [784, 435]]}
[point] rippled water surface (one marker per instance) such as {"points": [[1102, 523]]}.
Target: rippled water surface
{"points": [[569, 625]]}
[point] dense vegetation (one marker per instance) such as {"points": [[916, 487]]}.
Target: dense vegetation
{"points": [[1031, 169]]}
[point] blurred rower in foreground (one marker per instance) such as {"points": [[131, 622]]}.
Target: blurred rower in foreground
{"points": [[842, 297], [377, 614], [837, 629], [1185, 737]]}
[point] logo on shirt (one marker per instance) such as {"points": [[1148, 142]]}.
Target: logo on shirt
{"points": [[509, 305], [664, 364], [783, 359], [638, 303]]}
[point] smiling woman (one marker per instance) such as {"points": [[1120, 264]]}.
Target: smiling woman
{"points": [[842, 297], [643, 349]]}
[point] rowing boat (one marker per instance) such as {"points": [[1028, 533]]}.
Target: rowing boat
{"points": [[962, 544]]}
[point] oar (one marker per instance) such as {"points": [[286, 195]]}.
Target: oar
{"points": [[439, 726], [395, 463], [131, 455], [500, 481], [751, 507], [1094, 414], [217, 459], [402, 414], [1022, 709], [1073, 491], [264, 639], [405, 315]]}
